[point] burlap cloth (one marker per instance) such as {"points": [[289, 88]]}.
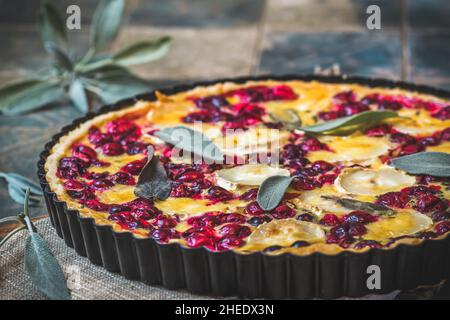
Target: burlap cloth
{"points": [[84, 279]]}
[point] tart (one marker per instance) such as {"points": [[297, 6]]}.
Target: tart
{"points": [[344, 197]]}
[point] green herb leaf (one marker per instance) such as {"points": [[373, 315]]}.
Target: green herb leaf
{"points": [[361, 205], [348, 125], [33, 98], [52, 25], [190, 140], [22, 182], [113, 88], [142, 52], [106, 23], [272, 190], [288, 118], [17, 186], [431, 163], [153, 182], [61, 59], [12, 90], [78, 96], [40, 264]]}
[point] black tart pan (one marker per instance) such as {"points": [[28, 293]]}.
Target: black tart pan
{"points": [[255, 275]]}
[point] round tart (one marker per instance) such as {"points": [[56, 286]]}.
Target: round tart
{"points": [[119, 170]]}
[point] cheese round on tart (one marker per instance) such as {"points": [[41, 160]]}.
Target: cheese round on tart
{"points": [[217, 205]]}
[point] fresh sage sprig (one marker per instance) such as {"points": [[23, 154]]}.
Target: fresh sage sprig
{"points": [[40, 264], [430, 163], [190, 140], [17, 186], [153, 182], [272, 191], [348, 125], [87, 78], [353, 204]]}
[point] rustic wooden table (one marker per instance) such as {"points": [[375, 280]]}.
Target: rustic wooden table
{"points": [[214, 39]]}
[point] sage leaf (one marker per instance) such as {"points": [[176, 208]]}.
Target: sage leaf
{"points": [[43, 269], [40, 264], [52, 26], [142, 52], [153, 182], [272, 191], [361, 205], [113, 88], [348, 125], [288, 118], [18, 195], [21, 182], [192, 141], [12, 90], [33, 98], [78, 96], [430, 163], [106, 23], [61, 59]]}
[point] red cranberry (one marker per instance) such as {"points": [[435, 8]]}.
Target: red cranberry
{"points": [[118, 208], [84, 152], [321, 166], [410, 149], [209, 219], [430, 203], [253, 208], [349, 109], [368, 243], [394, 199], [445, 135], [162, 221], [232, 218], [356, 230], [71, 167], [190, 176], [135, 167], [235, 230], [306, 217], [440, 216], [73, 185], [123, 178], [390, 105], [256, 221], [163, 235], [81, 195], [141, 214], [120, 126], [136, 148], [304, 183], [402, 138], [359, 217], [228, 243], [443, 114], [442, 227], [283, 211], [344, 96], [249, 195], [97, 138], [211, 102], [312, 144], [96, 205], [330, 220], [379, 131], [102, 184], [217, 193], [112, 149], [283, 92], [328, 115]]}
